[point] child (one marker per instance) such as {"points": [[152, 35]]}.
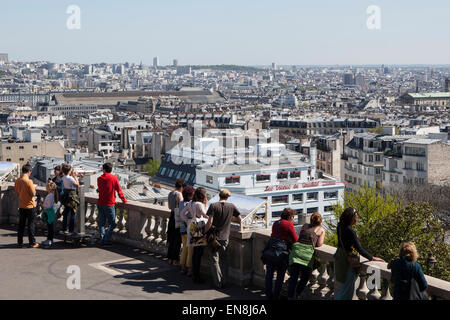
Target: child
{"points": [[48, 214]]}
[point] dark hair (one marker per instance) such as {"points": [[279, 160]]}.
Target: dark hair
{"points": [[180, 183], [199, 195], [288, 213], [58, 167], [66, 168], [108, 167], [315, 220], [27, 168], [347, 217], [188, 192]]}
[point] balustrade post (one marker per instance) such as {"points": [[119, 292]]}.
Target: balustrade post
{"points": [[323, 279], [386, 294], [362, 291]]}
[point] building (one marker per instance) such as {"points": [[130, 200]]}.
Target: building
{"points": [[329, 151], [348, 79], [390, 161], [291, 182], [20, 151], [434, 98], [4, 57], [286, 100], [175, 63], [447, 85], [155, 62], [319, 126], [75, 110]]}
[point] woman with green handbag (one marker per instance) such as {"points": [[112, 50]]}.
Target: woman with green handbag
{"points": [[346, 262], [301, 258]]}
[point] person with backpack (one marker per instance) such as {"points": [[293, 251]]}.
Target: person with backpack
{"points": [[301, 258], [346, 261], [407, 275], [276, 254], [70, 198]]}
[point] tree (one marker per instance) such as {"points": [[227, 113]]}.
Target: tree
{"points": [[152, 166], [385, 222]]}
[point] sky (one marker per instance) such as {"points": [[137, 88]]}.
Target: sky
{"points": [[243, 32]]}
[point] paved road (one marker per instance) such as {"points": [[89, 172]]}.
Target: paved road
{"points": [[118, 272]]}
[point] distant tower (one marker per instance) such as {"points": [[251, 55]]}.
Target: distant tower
{"points": [[447, 85], [155, 62], [175, 62], [274, 66], [349, 79], [4, 57]]}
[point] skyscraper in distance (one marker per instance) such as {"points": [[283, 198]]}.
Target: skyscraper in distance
{"points": [[155, 62], [175, 62]]}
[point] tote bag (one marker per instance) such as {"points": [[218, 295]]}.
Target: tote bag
{"points": [[196, 232]]}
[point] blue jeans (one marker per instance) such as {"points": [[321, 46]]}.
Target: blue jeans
{"points": [[270, 270], [106, 213], [345, 290]]}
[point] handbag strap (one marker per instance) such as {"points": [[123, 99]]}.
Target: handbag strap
{"points": [[277, 229]]}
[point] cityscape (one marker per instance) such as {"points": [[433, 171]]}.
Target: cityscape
{"points": [[314, 138]]}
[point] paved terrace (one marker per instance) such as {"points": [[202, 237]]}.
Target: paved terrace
{"points": [[118, 272], [134, 269]]}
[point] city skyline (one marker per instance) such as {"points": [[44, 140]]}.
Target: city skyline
{"points": [[204, 33]]}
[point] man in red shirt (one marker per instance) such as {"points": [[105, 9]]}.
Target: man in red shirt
{"points": [[107, 184]]}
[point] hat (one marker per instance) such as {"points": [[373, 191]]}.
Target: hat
{"points": [[224, 193]]}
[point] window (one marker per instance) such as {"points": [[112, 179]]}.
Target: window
{"points": [[330, 195], [21, 147], [235, 179], [299, 211], [295, 174], [171, 173], [377, 157], [35, 147], [408, 165], [282, 175], [8, 160], [209, 179], [297, 197], [312, 210], [163, 170], [420, 166], [279, 199], [377, 170], [263, 177], [8, 148], [328, 208], [312, 196], [21, 159]]}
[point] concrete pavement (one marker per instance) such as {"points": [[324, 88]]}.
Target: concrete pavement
{"points": [[118, 272]]}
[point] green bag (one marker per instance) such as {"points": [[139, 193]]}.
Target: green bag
{"points": [[302, 253]]}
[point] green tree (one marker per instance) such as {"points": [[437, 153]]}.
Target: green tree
{"points": [[152, 166], [384, 223]]}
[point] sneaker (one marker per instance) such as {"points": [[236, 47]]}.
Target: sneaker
{"points": [[36, 245]]}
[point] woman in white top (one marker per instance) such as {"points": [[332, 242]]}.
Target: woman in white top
{"points": [[70, 198], [196, 208]]}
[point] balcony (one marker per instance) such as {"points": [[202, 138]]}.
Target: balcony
{"points": [[143, 226]]}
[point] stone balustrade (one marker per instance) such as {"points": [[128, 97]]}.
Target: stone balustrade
{"points": [[144, 226]]}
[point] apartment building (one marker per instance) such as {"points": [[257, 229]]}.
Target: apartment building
{"points": [[391, 161], [322, 126]]}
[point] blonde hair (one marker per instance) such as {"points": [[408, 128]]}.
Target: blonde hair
{"points": [[409, 251], [51, 185]]}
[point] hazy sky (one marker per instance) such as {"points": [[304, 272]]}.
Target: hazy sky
{"points": [[246, 32]]}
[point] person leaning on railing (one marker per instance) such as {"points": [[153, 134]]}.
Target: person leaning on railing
{"points": [[282, 229], [346, 262], [302, 257], [407, 275]]}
